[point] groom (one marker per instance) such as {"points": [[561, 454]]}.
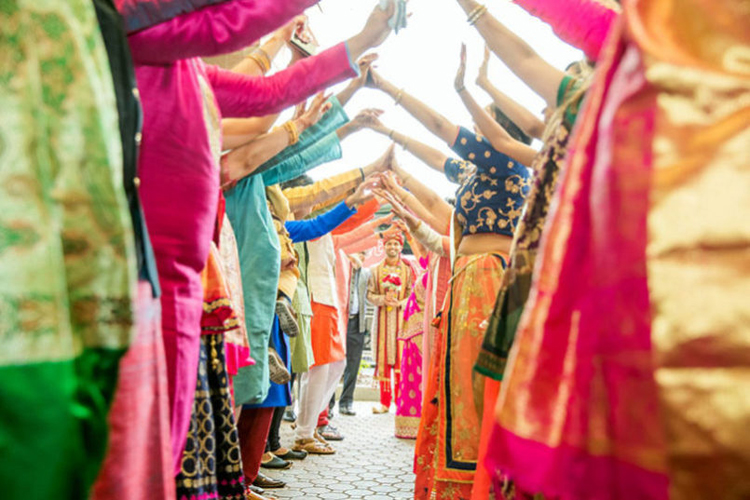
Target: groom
{"points": [[389, 288]]}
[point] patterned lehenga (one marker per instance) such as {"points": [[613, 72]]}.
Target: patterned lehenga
{"points": [[211, 463]]}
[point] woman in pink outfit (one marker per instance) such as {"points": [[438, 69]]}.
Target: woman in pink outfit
{"points": [[179, 178]]}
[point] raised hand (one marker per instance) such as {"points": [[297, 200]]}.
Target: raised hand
{"points": [[458, 84], [365, 66], [362, 194], [482, 78], [368, 118], [298, 25], [377, 28], [386, 161], [375, 31], [317, 108], [374, 80]]}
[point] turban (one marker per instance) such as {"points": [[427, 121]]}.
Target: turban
{"points": [[393, 233]]}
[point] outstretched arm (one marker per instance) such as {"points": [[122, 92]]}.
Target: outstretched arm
{"points": [[538, 74], [434, 121], [431, 156], [243, 160], [499, 138], [238, 131], [587, 29], [525, 119], [217, 29]]}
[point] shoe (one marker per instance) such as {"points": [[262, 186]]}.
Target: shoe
{"points": [[320, 438], [287, 318], [251, 493], [290, 454], [313, 447], [271, 461], [346, 410], [330, 433], [289, 415], [267, 482], [255, 489], [279, 374], [380, 409]]}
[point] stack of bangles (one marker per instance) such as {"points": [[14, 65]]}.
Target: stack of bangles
{"points": [[475, 14], [260, 58], [291, 129]]}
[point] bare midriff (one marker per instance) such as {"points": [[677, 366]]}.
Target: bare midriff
{"points": [[475, 244]]}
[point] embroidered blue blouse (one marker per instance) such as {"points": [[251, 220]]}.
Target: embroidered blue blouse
{"points": [[493, 187]]}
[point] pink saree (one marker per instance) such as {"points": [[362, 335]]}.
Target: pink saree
{"points": [[620, 385], [409, 395]]}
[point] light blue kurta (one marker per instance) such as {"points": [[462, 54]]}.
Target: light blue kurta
{"points": [[258, 243]]}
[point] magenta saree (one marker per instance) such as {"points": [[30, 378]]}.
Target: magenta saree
{"points": [[620, 385], [409, 398]]}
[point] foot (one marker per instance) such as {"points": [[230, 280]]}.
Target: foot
{"points": [[347, 410], [267, 482], [330, 433], [252, 493], [287, 318], [278, 372], [380, 409], [288, 454], [313, 447], [271, 461]]}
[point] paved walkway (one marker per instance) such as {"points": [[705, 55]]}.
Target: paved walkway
{"points": [[370, 463]]}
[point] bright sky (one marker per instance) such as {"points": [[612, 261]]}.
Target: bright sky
{"points": [[423, 60]]}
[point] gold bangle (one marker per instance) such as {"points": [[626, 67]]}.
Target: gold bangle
{"points": [[475, 14], [264, 54], [399, 96], [262, 63], [291, 129]]}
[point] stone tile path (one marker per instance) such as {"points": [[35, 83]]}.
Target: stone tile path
{"points": [[369, 464]]}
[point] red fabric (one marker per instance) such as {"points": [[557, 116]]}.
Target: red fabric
{"points": [[386, 395], [364, 213], [386, 391], [482, 477], [323, 418], [253, 428], [138, 465]]}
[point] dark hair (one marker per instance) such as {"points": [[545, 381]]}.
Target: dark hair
{"points": [[302, 180], [510, 126]]}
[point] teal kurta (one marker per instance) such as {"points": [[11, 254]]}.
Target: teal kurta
{"points": [[258, 243]]}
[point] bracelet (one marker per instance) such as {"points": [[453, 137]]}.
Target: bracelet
{"points": [[399, 96], [263, 64], [291, 129], [390, 134], [475, 14], [263, 54], [458, 91], [362, 173]]}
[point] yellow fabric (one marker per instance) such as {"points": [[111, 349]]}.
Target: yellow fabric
{"points": [[323, 192], [279, 207], [695, 55]]}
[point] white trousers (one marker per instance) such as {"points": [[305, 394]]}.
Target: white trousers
{"points": [[316, 386]]}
